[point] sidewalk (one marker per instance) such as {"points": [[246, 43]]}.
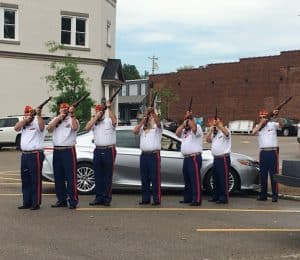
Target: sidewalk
{"points": [[287, 192]]}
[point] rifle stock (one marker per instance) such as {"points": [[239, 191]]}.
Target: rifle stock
{"points": [[148, 114], [187, 119], [215, 128], [279, 107], [110, 101]]}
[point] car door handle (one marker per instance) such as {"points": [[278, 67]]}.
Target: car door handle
{"points": [[1, 130]]}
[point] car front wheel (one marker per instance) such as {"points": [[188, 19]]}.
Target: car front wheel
{"points": [[85, 178], [234, 181]]}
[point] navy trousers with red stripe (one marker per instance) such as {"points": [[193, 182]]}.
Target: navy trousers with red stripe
{"points": [[103, 167], [31, 176], [221, 178], [150, 173], [268, 163], [65, 170], [192, 178]]}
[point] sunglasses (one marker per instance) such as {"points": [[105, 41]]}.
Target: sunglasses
{"points": [[262, 116]]}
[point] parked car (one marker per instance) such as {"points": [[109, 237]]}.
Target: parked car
{"points": [[8, 135], [243, 174], [289, 127]]}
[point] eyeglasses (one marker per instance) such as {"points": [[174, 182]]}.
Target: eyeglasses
{"points": [[262, 116]]}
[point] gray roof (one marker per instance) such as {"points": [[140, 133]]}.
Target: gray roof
{"points": [[131, 99], [113, 71]]}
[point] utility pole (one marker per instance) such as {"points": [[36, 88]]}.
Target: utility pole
{"points": [[154, 64]]}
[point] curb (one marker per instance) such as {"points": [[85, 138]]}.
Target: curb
{"points": [[289, 197]]}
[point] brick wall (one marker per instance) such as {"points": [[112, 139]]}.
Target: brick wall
{"points": [[237, 89]]}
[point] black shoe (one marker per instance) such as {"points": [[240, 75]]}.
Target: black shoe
{"points": [[274, 199], [155, 203], [35, 207], [72, 207], [184, 201], [144, 202], [261, 199], [59, 205], [221, 202], [194, 204], [95, 202], [106, 204], [212, 200], [24, 207]]}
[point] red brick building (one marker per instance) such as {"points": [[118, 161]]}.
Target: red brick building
{"points": [[237, 89]]}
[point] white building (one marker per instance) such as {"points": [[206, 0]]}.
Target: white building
{"points": [[86, 28]]}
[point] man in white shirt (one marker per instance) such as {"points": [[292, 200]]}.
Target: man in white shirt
{"points": [[150, 131], [32, 127], [220, 138], [191, 147], [104, 130], [269, 153], [64, 128]]}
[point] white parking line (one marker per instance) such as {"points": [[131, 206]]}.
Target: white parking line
{"points": [[191, 209], [15, 171], [12, 179], [248, 229]]}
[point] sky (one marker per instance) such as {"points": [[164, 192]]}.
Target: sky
{"points": [[200, 32]]}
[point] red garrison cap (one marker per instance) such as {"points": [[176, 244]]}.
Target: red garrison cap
{"points": [[263, 112], [98, 108], [27, 109], [64, 106]]}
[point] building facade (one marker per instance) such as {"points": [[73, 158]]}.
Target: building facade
{"points": [[238, 89], [86, 28], [132, 99]]}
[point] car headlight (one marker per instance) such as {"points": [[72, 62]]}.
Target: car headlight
{"points": [[248, 162]]}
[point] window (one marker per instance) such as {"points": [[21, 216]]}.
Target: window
{"points": [[126, 138], [169, 144], [124, 90], [133, 90], [108, 33], [143, 89], [74, 31], [8, 22]]}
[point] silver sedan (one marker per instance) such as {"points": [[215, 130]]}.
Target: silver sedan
{"points": [[244, 171]]}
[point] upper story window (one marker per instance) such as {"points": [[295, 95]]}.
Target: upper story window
{"points": [[143, 89], [123, 90], [133, 90], [74, 29], [8, 22], [108, 33]]}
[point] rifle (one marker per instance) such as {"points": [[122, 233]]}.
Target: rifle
{"points": [[279, 107], [33, 112], [186, 127], [75, 104], [215, 128], [148, 114], [110, 101]]}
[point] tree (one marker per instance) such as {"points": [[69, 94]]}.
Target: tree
{"points": [[130, 72], [166, 96], [69, 81]]}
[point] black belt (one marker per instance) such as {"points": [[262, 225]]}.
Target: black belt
{"points": [[104, 147], [62, 147], [269, 149], [192, 154], [33, 151], [150, 152], [222, 155]]}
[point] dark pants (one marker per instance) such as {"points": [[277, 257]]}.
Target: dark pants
{"points": [[221, 178], [65, 170], [268, 162], [192, 178], [103, 167], [150, 173], [31, 176]]}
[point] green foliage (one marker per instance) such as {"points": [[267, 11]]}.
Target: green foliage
{"points": [[70, 84], [130, 72], [166, 96]]}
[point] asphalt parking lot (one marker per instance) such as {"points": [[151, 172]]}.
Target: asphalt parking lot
{"points": [[243, 229]]}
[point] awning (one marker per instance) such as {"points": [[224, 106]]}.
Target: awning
{"points": [[131, 99]]}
